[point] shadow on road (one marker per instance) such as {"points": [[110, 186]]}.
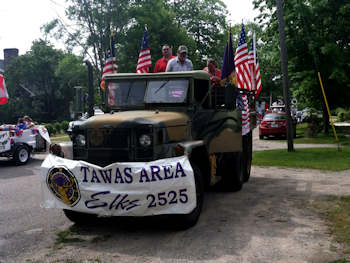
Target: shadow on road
{"points": [[263, 212], [9, 169]]}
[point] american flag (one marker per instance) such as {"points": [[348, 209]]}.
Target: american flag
{"points": [[245, 115], [110, 64], [3, 92], [241, 62], [144, 62], [254, 69]]}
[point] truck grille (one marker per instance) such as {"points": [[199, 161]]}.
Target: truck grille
{"points": [[109, 138], [109, 145]]}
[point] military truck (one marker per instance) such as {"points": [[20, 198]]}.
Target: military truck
{"points": [[163, 140]]}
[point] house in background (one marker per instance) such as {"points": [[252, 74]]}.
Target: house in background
{"points": [[1, 66], [9, 54]]}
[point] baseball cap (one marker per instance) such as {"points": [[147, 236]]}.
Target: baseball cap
{"points": [[182, 49]]}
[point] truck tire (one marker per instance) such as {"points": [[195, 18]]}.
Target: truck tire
{"points": [[80, 218], [247, 155], [21, 155], [232, 172], [182, 222]]}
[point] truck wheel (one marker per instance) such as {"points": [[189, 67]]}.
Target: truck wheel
{"points": [[80, 218], [247, 156], [186, 221], [232, 172], [261, 137], [21, 155]]}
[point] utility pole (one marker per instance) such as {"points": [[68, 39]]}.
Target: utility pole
{"points": [[284, 64], [91, 89]]}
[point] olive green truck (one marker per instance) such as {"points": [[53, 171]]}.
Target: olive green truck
{"points": [[163, 140]]}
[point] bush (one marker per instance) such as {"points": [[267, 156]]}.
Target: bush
{"points": [[343, 114], [50, 128], [314, 125], [57, 126], [64, 125]]}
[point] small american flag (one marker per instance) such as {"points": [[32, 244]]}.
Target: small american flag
{"points": [[241, 62], [254, 69], [245, 115], [3, 92], [110, 64], [144, 62]]}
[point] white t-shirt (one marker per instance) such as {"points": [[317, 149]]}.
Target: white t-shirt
{"points": [[175, 65]]}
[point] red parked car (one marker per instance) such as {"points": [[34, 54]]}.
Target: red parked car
{"points": [[274, 124]]}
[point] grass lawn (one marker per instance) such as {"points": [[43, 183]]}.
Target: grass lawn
{"points": [[336, 211], [315, 158], [60, 138], [320, 138]]}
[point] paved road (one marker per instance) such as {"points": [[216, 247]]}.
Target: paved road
{"points": [[268, 221], [273, 143], [23, 223]]}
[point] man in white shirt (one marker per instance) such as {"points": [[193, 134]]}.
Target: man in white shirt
{"points": [[181, 62]]}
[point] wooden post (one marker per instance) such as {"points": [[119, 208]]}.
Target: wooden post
{"points": [[284, 64]]}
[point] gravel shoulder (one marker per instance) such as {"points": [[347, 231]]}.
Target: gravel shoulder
{"points": [[270, 220]]}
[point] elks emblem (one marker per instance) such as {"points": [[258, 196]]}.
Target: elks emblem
{"points": [[63, 185]]}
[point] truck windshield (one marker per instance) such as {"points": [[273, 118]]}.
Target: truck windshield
{"points": [[126, 93], [166, 91]]}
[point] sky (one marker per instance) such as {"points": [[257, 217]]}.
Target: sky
{"points": [[20, 20]]}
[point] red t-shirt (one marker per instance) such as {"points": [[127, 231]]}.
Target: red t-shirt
{"points": [[161, 64]]}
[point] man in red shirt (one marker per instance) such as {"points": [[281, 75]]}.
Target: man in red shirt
{"points": [[162, 63]]}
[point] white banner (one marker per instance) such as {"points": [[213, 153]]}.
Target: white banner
{"points": [[44, 133], [5, 143], [164, 186]]}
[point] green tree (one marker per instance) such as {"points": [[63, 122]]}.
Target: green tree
{"points": [[40, 83], [161, 30], [317, 35], [91, 33], [205, 22], [198, 24], [70, 72]]}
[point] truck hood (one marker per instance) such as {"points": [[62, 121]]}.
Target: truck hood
{"points": [[132, 118]]}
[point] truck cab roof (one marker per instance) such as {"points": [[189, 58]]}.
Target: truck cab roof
{"points": [[195, 74]]}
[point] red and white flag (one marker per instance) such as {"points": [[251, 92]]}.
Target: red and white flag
{"points": [[3, 92], [144, 62], [241, 63], [110, 65], [254, 68]]}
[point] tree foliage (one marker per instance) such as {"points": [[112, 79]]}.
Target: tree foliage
{"points": [[317, 41], [205, 22], [198, 24], [40, 83]]}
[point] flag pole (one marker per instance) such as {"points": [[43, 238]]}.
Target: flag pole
{"points": [[254, 62], [111, 45], [228, 41]]}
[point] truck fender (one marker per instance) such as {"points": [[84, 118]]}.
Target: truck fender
{"points": [[197, 153]]}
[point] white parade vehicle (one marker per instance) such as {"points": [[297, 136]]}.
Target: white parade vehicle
{"points": [[20, 144]]}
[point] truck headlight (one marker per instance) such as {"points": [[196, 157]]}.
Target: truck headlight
{"points": [[145, 140], [80, 140]]}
